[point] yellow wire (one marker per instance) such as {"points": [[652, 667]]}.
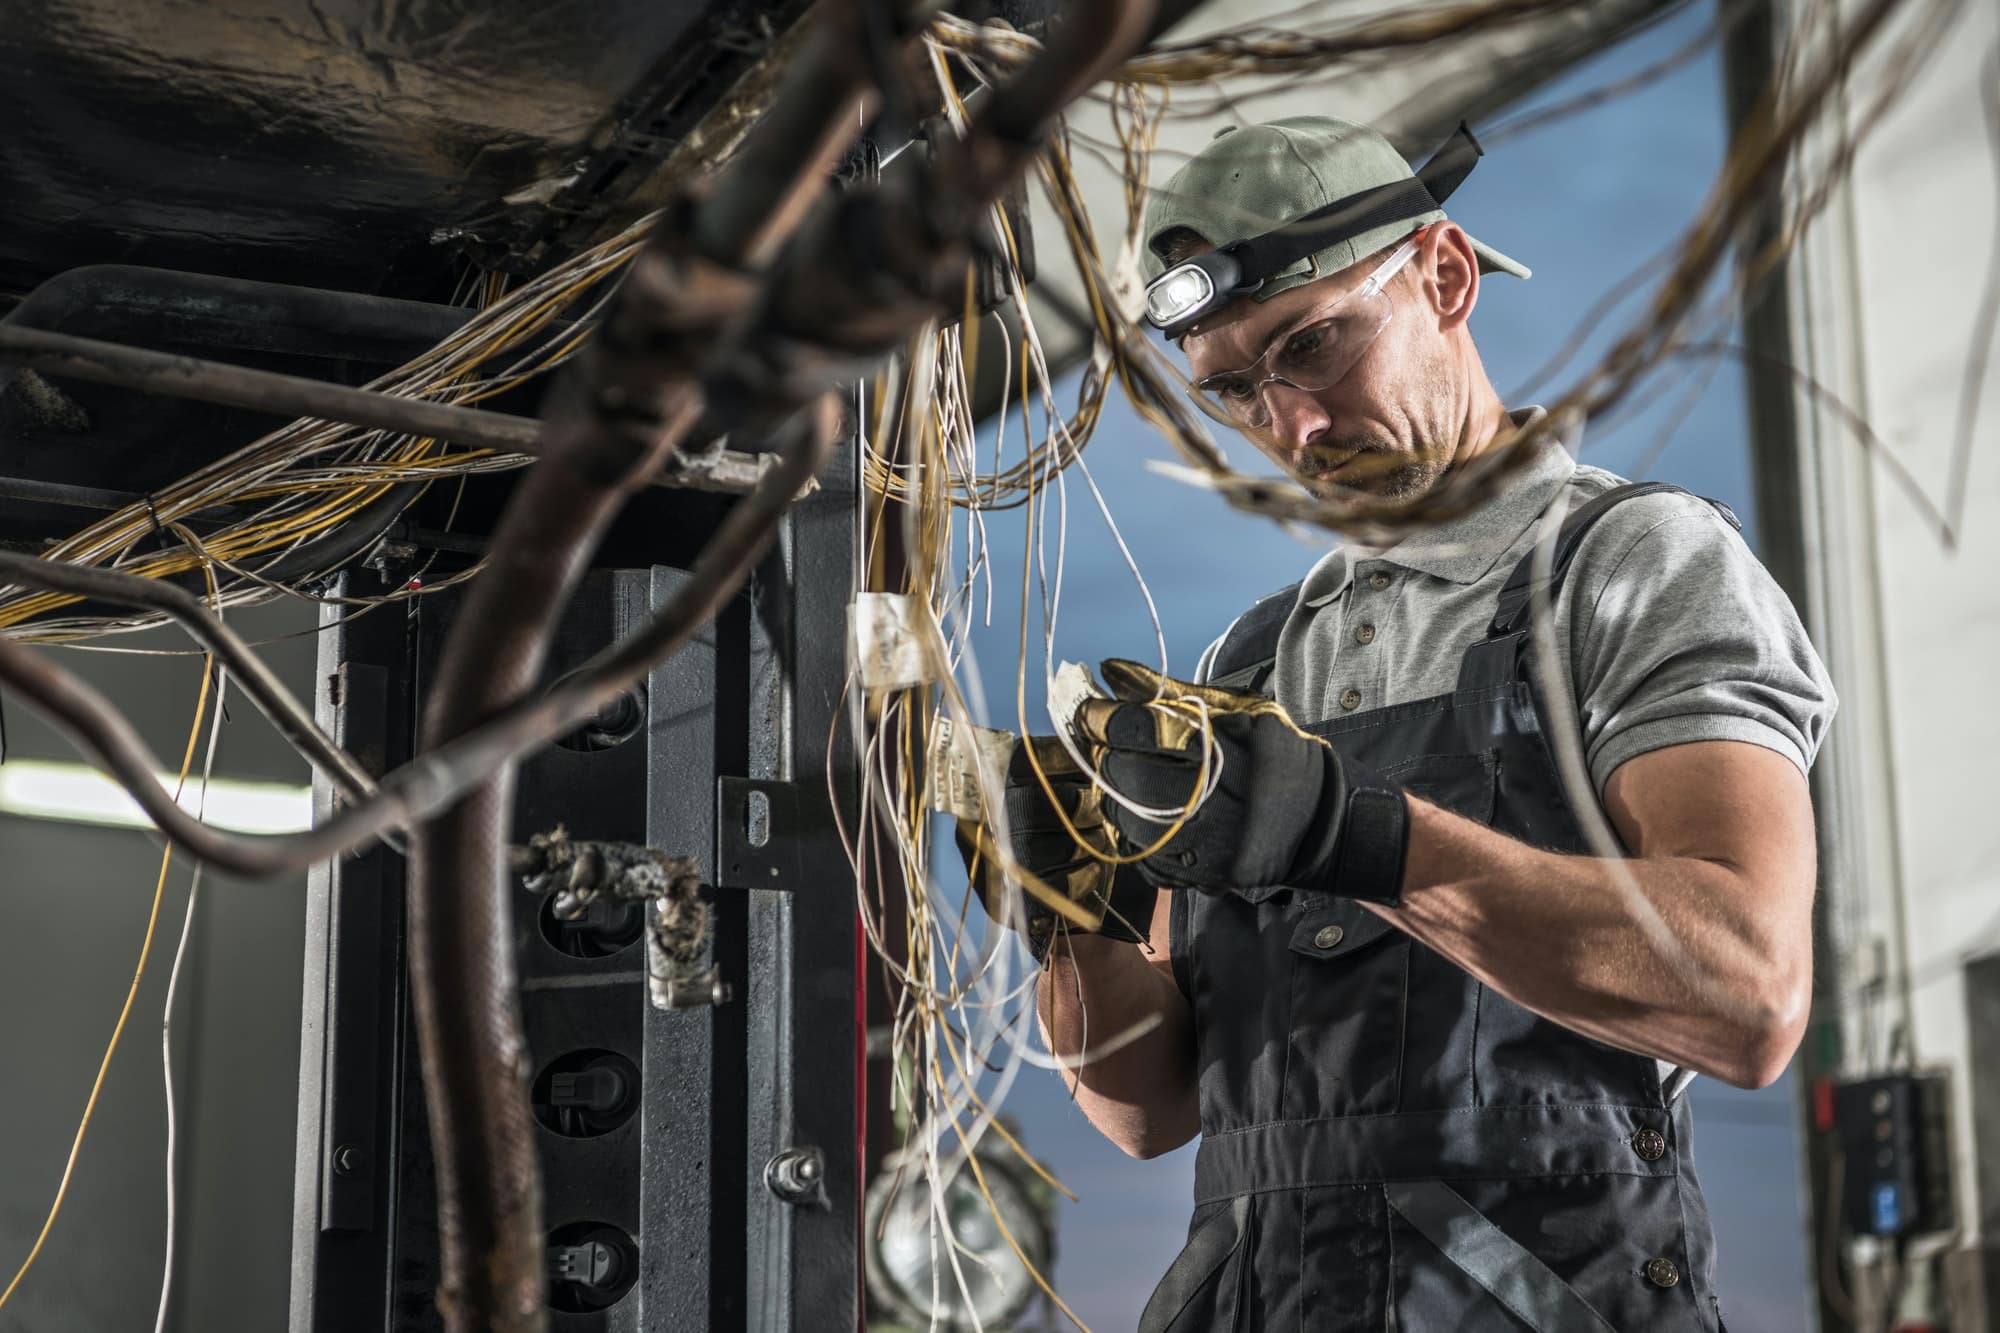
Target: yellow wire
{"points": [[1006, 1233], [1021, 700], [132, 995], [993, 1121]]}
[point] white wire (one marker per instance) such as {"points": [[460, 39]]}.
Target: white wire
{"points": [[167, 1010]]}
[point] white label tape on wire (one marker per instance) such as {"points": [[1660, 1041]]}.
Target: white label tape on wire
{"points": [[885, 647], [959, 758], [1072, 684], [1128, 284]]}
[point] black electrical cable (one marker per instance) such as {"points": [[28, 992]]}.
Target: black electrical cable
{"points": [[293, 720]]}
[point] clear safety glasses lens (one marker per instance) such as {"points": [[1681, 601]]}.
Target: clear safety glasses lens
{"points": [[1311, 357]]}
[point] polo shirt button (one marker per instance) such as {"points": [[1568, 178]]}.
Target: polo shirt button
{"points": [[1350, 698], [1378, 580], [1364, 634], [1328, 936], [1650, 1144], [1662, 1272]]}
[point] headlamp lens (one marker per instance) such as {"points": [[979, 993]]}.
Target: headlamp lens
{"points": [[1177, 294]]}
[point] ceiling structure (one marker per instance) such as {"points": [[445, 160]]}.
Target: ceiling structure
{"points": [[361, 145]]}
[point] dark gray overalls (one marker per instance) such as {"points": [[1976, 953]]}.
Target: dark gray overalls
{"points": [[1387, 1143]]}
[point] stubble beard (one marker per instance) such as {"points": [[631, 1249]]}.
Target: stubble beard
{"points": [[1382, 469], [1375, 467]]}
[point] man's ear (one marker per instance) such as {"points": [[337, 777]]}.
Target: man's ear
{"points": [[1450, 271]]}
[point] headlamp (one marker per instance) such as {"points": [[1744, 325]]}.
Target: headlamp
{"points": [[1187, 292]]}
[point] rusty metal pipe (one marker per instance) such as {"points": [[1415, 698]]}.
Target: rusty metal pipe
{"points": [[611, 426], [726, 470], [261, 390], [293, 720], [475, 1056], [616, 418]]}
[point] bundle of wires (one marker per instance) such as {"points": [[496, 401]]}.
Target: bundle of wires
{"points": [[308, 477], [962, 1025]]}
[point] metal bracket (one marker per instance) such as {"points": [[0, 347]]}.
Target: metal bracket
{"points": [[756, 834]]}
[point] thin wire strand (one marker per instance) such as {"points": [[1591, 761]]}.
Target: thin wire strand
{"points": [[124, 1013], [167, 1011]]}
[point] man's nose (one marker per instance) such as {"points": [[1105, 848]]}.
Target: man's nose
{"points": [[1296, 416]]}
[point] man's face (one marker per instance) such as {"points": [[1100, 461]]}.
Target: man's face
{"points": [[1384, 427]]}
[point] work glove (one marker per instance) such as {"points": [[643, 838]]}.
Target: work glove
{"points": [[1277, 808], [1090, 895]]}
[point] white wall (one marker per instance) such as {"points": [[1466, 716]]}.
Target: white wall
{"points": [[1886, 295]]}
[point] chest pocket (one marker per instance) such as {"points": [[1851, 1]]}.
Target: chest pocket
{"points": [[1466, 784]]}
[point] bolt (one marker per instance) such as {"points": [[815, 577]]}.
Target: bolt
{"points": [[348, 1159], [794, 1175]]}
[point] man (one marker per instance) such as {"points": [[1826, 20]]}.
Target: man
{"points": [[1434, 1045]]}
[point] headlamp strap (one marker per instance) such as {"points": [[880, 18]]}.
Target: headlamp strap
{"points": [[1275, 251], [1451, 163]]}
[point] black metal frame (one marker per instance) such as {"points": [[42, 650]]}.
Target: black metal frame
{"points": [[749, 707]]}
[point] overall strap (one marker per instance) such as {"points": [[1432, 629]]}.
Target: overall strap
{"points": [[1247, 653], [1493, 659]]}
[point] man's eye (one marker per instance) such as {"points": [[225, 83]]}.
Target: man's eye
{"points": [[1234, 387], [1306, 342]]}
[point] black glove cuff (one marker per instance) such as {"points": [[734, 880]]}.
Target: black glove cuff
{"points": [[1374, 840], [1133, 901]]}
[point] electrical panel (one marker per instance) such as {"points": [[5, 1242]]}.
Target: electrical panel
{"points": [[1898, 1172]]}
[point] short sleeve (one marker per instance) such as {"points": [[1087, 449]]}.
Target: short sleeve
{"points": [[1679, 634]]}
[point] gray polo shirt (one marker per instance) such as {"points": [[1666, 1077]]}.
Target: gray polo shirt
{"points": [[1674, 631]]}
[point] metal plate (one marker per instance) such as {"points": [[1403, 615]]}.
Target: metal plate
{"points": [[756, 834]]}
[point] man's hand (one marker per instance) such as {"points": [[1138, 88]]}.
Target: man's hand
{"points": [[1092, 894], [1265, 805]]}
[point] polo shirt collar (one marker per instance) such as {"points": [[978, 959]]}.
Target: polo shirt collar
{"points": [[1465, 548]]}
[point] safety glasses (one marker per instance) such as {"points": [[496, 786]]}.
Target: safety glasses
{"points": [[1311, 356]]}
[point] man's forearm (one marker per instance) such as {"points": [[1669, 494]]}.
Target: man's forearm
{"points": [[1560, 935], [1140, 1094]]}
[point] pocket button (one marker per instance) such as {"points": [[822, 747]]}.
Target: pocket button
{"points": [[1662, 1272], [1650, 1144], [1329, 937]]}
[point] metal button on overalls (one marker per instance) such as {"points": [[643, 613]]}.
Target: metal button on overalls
{"points": [[1329, 936]]}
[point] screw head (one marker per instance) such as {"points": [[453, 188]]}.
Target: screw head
{"points": [[348, 1159]]}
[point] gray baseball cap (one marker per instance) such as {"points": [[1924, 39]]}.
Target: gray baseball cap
{"points": [[1252, 181]]}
